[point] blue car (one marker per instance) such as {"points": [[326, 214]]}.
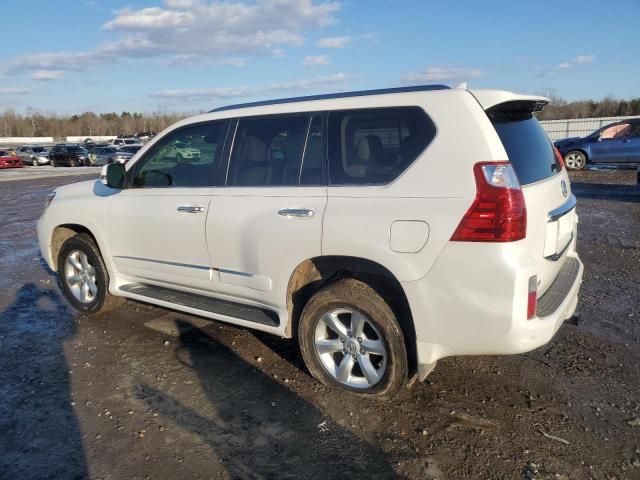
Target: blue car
{"points": [[614, 143]]}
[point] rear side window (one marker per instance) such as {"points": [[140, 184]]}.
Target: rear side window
{"points": [[374, 146], [268, 151], [527, 145]]}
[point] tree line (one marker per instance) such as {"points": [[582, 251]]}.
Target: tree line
{"points": [[88, 124]]}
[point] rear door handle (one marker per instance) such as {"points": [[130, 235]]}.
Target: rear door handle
{"points": [[191, 209], [297, 212]]}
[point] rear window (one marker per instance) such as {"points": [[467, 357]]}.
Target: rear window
{"points": [[527, 145]]}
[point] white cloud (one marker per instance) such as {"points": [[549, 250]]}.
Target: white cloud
{"points": [[46, 75], [564, 66], [13, 91], [315, 60], [334, 42], [196, 28], [336, 81], [584, 58], [443, 74]]}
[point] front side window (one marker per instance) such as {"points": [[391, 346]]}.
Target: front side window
{"points": [[616, 131], [374, 146], [186, 157], [267, 151]]}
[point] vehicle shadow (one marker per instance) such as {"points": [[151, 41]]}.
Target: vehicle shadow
{"points": [[261, 429], [603, 191], [40, 434]]}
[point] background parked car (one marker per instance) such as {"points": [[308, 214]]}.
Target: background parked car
{"points": [[121, 142], [614, 143], [69, 155], [33, 155], [106, 155], [8, 160], [132, 149]]}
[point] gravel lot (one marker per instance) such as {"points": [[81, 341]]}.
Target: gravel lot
{"points": [[107, 397]]}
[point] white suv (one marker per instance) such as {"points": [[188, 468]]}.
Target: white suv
{"points": [[385, 229]]}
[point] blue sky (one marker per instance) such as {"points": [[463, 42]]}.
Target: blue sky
{"points": [[192, 55]]}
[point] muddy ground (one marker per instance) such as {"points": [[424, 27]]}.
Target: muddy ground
{"points": [[106, 397]]}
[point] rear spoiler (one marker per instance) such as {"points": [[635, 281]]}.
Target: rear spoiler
{"points": [[505, 101]]}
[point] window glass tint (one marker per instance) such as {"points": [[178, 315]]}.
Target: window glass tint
{"points": [[527, 144], [374, 146], [267, 151], [312, 163], [187, 157]]}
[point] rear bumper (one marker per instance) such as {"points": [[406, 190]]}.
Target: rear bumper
{"points": [[458, 310]]}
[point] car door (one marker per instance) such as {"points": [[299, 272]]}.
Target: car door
{"points": [[268, 217], [611, 145], [632, 144], [156, 227]]}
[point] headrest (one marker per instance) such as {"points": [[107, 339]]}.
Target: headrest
{"points": [[369, 149]]}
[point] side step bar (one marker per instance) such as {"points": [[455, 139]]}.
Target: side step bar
{"points": [[206, 304]]}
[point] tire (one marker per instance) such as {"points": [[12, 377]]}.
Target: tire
{"points": [[34, 162], [179, 158], [349, 302], [53, 163], [72, 162], [575, 160], [86, 268]]}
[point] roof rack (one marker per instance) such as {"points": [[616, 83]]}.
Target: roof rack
{"points": [[328, 96]]}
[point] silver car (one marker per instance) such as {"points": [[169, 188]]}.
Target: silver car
{"points": [[106, 155], [33, 155]]}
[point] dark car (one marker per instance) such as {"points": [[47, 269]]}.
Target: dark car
{"points": [[614, 143], [69, 155]]}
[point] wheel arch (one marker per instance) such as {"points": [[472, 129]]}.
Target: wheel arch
{"points": [[315, 273], [62, 233]]}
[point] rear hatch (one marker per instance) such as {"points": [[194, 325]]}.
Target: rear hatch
{"points": [[545, 185]]}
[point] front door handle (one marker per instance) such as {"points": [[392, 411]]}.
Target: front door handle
{"points": [[297, 212], [191, 209]]}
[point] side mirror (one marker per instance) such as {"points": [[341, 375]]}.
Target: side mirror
{"points": [[113, 175]]}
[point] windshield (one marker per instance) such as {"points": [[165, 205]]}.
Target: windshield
{"points": [[74, 149]]}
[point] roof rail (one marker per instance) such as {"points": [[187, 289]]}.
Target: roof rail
{"points": [[328, 96]]}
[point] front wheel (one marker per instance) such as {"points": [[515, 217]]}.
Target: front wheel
{"points": [[350, 338], [83, 275], [53, 163], [34, 162], [575, 160]]}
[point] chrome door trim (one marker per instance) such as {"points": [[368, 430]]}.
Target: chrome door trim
{"points": [[297, 212], [191, 209]]}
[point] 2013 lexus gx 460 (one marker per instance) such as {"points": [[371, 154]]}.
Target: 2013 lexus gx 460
{"points": [[385, 229]]}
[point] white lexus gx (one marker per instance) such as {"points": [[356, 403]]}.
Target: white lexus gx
{"points": [[386, 229]]}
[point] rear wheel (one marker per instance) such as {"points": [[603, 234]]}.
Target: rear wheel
{"points": [[575, 160], [350, 338], [34, 162], [72, 162], [53, 163], [84, 277]]}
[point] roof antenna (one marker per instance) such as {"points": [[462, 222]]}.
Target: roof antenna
{"points": [[462, 86]]}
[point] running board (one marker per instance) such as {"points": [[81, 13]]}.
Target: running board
{"points": [[247, 313]]}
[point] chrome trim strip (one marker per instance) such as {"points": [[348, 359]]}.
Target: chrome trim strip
{"points": [[565, 208], [234, 272], [174, 264], [557, 256], [297, 212]]}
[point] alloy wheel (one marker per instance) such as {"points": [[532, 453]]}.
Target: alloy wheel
{"points": [[350, 347], [80, 277], [574, 161]]}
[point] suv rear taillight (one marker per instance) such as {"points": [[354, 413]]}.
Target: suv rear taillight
{"points": [[498, 213], [559, 158]]}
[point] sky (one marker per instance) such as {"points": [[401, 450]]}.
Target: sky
{"points": [[72, 56]]}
